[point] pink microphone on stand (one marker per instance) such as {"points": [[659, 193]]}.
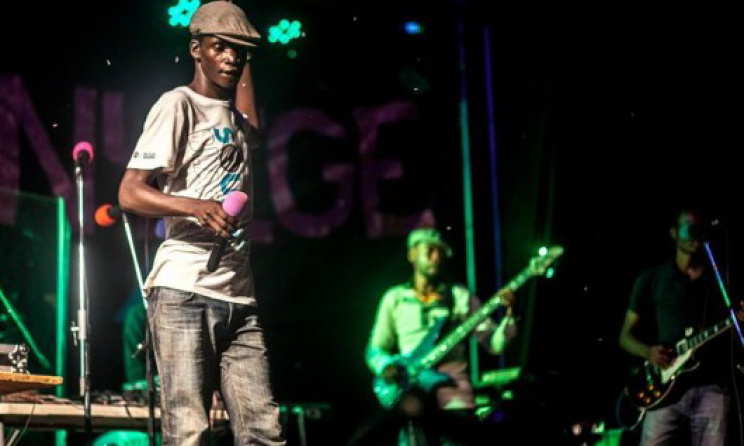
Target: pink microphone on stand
{"points": [[82, 154]]}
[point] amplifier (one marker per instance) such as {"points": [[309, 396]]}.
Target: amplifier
{"points": [[14, 358]]}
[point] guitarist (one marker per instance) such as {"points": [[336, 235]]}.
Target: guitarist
{"points": [[406, 314], [665, 300]]}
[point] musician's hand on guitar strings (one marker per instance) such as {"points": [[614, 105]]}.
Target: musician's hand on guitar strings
{"points": [[661, 356]]}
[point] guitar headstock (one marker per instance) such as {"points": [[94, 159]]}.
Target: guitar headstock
{"points": [[546, 257]]}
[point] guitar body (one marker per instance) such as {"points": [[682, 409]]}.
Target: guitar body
{"points": [[649, 386], [389, 393], [418, 365]]}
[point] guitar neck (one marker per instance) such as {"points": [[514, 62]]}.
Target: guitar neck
{"points": [[461, 331], [698, 339]]}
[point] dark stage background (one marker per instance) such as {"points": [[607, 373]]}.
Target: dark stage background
{"points": [[601, 120]]}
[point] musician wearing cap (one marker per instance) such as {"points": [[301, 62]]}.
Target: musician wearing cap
{"points": [[436, 405], [192, 156]]}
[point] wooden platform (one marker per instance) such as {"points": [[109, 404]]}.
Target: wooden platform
{"points": [[20, 382], [71, 416], [104, 417]]}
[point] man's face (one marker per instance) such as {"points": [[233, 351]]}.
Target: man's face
{"points": [[687, 233], [221, 61], [427, 259]]}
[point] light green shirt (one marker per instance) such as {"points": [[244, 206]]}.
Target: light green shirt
{"points": [[402, 321]]}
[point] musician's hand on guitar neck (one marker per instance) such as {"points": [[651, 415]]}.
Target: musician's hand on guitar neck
{"points": [[507, 298], [661, 356]]}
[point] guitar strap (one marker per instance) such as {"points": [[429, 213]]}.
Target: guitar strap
{"points": [[449, 302], [434, 307]]}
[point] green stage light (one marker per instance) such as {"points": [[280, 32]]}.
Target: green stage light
{"points": [[284, 31], [180, 15]]}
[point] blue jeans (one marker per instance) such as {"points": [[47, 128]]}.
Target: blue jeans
{"points": [[698, 418], [201, 345]]}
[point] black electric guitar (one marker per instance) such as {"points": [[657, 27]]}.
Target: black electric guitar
{"points": [[650, 385], [418, 363]]}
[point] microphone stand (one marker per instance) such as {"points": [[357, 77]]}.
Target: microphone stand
{"points": [[45, 364], [146, 343], [724, 293], [82, 329]]}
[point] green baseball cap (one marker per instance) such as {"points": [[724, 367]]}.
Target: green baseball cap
{"points": [[428, 235]]}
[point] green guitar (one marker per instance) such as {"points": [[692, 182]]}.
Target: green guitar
{"points": [[418, 363]]}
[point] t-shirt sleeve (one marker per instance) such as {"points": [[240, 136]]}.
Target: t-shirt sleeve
{"points": [[640, 295], [164, 130], [382, 342]]}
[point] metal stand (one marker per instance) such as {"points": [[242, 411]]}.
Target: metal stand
{"points": [[81, 331], [411, 434], [724, 293], [146, 342], [45, 364]]}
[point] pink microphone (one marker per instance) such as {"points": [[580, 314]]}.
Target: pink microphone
{"points": [[233, 205], [234, 202], [82, 152]]}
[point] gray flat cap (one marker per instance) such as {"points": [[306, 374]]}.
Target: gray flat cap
{"points": [[225, 20]]}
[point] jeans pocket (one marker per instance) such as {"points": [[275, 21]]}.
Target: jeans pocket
{"points": [[176, 309]]}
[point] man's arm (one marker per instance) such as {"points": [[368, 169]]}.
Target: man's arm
{"points": [[655, 354], [382, 341], [245, 102], [137, 196], [493, 336], [506, 329], [245, 99]]}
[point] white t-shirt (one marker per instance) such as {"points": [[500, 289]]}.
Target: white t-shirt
{"points": [[200, 145]]}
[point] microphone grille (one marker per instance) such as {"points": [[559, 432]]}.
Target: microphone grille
{"points": [[103, 215], [82, 146], [234, 202]]}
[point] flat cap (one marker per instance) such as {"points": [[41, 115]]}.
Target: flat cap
{"points": [[225, 20]]}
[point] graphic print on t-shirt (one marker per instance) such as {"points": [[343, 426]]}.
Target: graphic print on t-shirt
{"points": [[222, 163]]}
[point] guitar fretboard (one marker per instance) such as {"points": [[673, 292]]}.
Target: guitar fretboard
{"points": [[698, 339], [461, 331]]}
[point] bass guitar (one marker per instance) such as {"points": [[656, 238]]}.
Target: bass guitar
{"points": [[650, 385], [417, 365]]}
